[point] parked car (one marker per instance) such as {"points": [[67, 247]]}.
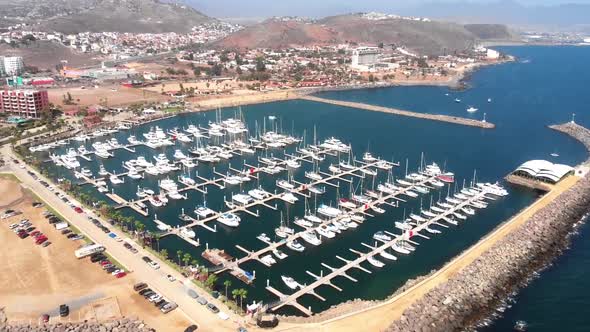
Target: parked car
{"points": [[212, 308], [64, 310], [170, 278], [145, 258], [154, 265], [169, 307], [139, 286], [46, 244], [201, 300], [143, 291], [78, 209], [191, 328], [120, 275], [45, 318], [66, 231]]}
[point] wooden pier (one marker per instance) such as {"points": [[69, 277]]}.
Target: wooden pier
{"points": [[435, 117], [291, 299]]}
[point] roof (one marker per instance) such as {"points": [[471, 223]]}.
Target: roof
{"points": [[545, 169]]}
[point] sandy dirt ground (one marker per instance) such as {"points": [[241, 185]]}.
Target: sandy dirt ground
{"points": [[380, 317], [36, 280], [112, 95]]}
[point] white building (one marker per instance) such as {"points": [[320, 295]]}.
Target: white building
{"points": [[13, 65], [365, 56], [492, 54]]}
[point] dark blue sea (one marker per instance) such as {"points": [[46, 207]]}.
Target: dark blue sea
{"points": [[546, 85]]}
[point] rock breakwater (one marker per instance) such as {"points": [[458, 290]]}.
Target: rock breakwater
{"points": [[120, 325], [480, 286]]}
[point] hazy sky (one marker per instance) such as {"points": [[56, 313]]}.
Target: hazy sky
{"points": [[319, 8]]}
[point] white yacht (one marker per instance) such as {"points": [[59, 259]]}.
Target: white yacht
{"points": [[268, 260], [381, 236], [187, 232], [296, 246], [472, 109], [303, 222], [279, 254], [155, 201], [204, 212], [387, 255], [313, 176], [290, 282], [229, 219], [311, 238], [259, 193], [86, 172], [292, 163], [187, 180], [179, 155], [187, 163], [313, 218], [375, 262], [288, 197], [285, 184], [115, 179], [264, 238], [368, 157], [284, 231], [323, 231], [329, 211], [134, 174]]}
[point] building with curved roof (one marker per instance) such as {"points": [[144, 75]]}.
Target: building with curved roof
{"points": [[543, 170]]}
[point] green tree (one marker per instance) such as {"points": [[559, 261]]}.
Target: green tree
{"points": [[235, 294], [211, 281], [260, 66], [186, 258], [243, 295], [227, 284], [164, 253], [179, 255]]}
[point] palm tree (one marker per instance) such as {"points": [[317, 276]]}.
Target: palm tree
{"points": [[243, 295], [179, 255], [164, 253], [186, 258], [194, 262], [227, 284], [235, 293]]}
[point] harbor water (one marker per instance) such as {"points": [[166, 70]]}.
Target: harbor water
{"points": [[545, 86]]}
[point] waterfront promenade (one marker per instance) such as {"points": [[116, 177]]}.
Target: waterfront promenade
{"points": [[379, 317], [434, 117]]}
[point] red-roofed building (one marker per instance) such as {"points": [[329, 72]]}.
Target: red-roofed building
{"points": [[24, 103]]}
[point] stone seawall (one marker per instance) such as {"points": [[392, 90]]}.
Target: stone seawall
{"points": [[479, 287], [120, 325]]}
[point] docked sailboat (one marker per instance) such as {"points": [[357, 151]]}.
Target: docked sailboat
{"points": [[375, 262]]}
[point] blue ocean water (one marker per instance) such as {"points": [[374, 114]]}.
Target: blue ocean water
{"points": [[544, 87]]}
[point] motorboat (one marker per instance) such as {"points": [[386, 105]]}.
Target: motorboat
{"points": [[313, 218], [404, 226], [357, 218], [459, 216], [178, 154], [204, 212], [329, 211], [428, 213], [417, 218], [369, 171], [292, 163], [471, 109], [347, 204], [397, 247], [176, 195], [259, 194], [311, 238], [346, 166], [313, 176], [290, 282], [267, 260], [86, 172], [368, 157], [302, 222], [229, 219], [288, 197], [134, 174], [155, 201], [115, 179], [381, 236], [285, 184], [133, 140], [468, 210], [377, 209], [279, 254], [323, 231], [188, 163], [264, 238], [284, 231], [410, 193], [318, 190], [375, 262], [296, 246], [187, 180], [187, 232], [168, 185], [334, 169]]}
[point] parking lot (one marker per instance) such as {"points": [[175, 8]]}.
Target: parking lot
{"points": [[37, 279]]}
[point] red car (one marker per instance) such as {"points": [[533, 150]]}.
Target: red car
{"points": [[105, 262], [35, 233], [45, 318], [41, 240], [120, 274], [78, 209]]}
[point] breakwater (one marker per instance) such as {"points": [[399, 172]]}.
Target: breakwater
{"points": [[434, 117], [477, 288], [120, 325]]}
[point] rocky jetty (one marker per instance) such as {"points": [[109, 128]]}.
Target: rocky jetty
{"points": [[479, 287], [120, 325]]}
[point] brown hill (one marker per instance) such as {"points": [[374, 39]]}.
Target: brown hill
{"points": [[73, 16], [422, 37]]}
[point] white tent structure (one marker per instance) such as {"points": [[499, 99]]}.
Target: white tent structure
{"points": [[544, 170]]}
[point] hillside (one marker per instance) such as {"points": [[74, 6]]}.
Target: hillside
{"points": [[73, 16], [423, 37], [45, 55]]}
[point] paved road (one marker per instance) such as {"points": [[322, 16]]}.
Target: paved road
{"points": [[173, 291]]}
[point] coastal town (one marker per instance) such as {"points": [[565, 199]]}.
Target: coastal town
{"points": [[206, 178]]}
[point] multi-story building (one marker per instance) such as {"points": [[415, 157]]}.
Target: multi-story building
{"points": [[2, 70], [13, 65], [365, 56], [24, 103]]}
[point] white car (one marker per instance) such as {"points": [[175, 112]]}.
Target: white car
{"points": [[13, 226], [117, 271], [154, 265], [155, 298], [170, 278]]}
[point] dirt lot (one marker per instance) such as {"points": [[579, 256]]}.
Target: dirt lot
{"points": [[37, 280], [115, 95]]}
